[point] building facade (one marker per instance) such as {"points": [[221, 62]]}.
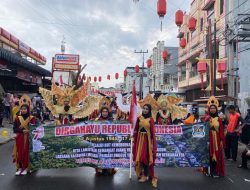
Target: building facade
{"points": [[19, 70], [238, 48], [163, 73], [133, 76], [205, 12]]}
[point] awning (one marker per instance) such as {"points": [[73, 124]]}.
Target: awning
{"points": [[15, 59]]}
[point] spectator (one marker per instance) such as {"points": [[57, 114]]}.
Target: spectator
{"points": [[1, 112], [245, 156], [232, 135], [6, 102]]}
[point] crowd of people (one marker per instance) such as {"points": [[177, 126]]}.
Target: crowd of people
{"points": [[224, 132]]}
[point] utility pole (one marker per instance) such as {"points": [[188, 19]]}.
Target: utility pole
{"points": [[142, 74], [215, 57]]}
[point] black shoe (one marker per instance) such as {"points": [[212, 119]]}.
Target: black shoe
{"points": [[241, 166]]}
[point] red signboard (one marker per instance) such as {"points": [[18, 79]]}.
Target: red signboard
{"points": [[15, 43]]}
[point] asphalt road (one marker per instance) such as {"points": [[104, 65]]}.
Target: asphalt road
{"points": [[84, 178]]}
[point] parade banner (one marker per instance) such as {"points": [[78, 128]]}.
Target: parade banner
{"points": [[106, 144]]}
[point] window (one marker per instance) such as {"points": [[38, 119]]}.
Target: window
{"points": [[187, 37], [221, 6], [201, 24]]}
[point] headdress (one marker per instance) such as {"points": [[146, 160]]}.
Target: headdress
{"points": [[25, 100], [213, 101], [105, 102], [69, 94]]}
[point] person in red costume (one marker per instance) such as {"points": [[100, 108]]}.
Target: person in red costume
{"points": [[21, 147], [105, 115], [163, 116], [216, 142], [144, 147]]}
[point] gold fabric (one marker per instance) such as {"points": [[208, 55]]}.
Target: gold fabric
{"points": [[144, 123], [214, 128]]}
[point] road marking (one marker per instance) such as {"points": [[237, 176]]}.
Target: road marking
{"points": [[247, 180], [230, 179], [2, 174]]}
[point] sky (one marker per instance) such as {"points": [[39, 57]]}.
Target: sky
{"points": [[105, 33]]}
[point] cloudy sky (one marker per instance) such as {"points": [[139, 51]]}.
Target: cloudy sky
{"points": [[104, 32]]}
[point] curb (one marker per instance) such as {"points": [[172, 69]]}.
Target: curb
{"points": [[8, 140]]}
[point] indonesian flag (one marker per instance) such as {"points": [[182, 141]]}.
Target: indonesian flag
{"points": [[133, 107], [61, 80]]}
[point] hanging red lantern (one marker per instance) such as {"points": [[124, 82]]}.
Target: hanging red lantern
{"points": [[89, 78], [149, 63], [137, 69], [179, 17], [116, 75], [221, 68], [202, 68], [84, 77], [183, 42], [95, 79], [125, 73], [192, 24], [108, 77], [165, 55], [161, 8], [100, 79]]}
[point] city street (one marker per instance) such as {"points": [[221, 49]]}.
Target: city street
{"points": [[84, 178]]}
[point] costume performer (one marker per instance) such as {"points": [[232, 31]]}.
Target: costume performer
{"points": [[144, 148], [21, 147], [163, 116], [105, 115], [216, 138]]}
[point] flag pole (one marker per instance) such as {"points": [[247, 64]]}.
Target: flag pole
{"points": [[132, 119]]}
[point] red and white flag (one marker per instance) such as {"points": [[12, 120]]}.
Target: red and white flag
{"points": [[61, 80], [133, 107]]}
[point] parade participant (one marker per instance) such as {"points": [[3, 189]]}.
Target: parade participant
{"points": [[163, 116], [66, 117], [216, 139], [232, 135], [37, 112], [21, 147], [144, 148], [105, 115], [15, 110]]}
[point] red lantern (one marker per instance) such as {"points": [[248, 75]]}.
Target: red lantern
{"points": [[202, 68], [179, 17], [95, 79], [149, 63], [116, 75], [84, 77], [183, 43], [89, 78], [165, 54], [137, 68], [221, 68], [100, 79], [125, 73], [192, 24], [161, 8], [108, 77]]}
